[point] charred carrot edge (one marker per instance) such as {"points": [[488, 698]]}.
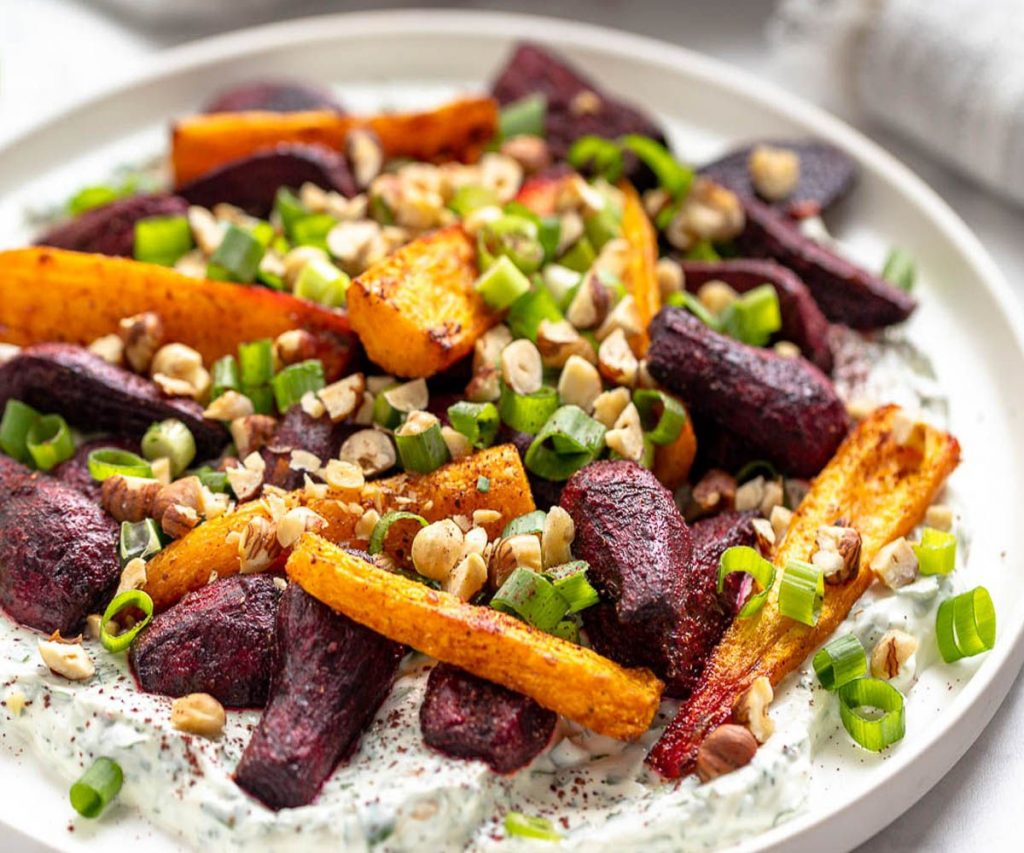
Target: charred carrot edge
{"points": [[55, 295], [416, 312], [571, 680], [457, 130], [880, 488], [641, 273], [187, 564]]}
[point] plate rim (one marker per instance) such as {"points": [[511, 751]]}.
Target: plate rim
{"points": [[980, 698]]}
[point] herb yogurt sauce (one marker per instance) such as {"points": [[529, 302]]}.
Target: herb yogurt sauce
{"points": [[396, 794]]}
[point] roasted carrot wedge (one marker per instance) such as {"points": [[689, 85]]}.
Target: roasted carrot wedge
{"points": [[56, 295], [457, 130], [641, 278], [882, 489], [416, 312], [569, 679], [187, 563], [672, 462]]}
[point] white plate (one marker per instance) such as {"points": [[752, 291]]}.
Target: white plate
{"points": [[967, 320]]}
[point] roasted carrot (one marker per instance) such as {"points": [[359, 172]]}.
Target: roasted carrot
{"points": [[569, 679], [672, 462], [882, 489], [641, 277]]}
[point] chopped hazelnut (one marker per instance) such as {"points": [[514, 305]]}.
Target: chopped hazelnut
{"points": [[437, 549], [295, 262], [585, 103], [895, 564], [142, 336], [558, 340], [786, 349], [609, 405], [716, 295], [133, 576], [726, 749], [530, 152], [69, 660], [837, 553], [751, 709], [616, 361], [892, 651], [774, 172], [488, 347], [590, 305], [110, 348], [484, 387], [372, 450], [670, 277], [940, 517], [502, 174], [343, 397], [257, 545], [625, 316], [627, 435], [765, 534], [714, 492], [710, 212], [467, 578], [246, 479], [521, 367], [293, 346], [179, 371], [366, 156], [129, 498], [579, 384], [343, 476], [523, 549], [780, 518], [178, 520], [366, 523], [909, 433], [198, 714], [296, 522], [458, 445], [229, 406], [556, 538], [252, 432]]}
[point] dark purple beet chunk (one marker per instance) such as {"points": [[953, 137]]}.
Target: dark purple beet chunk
{"points": [[110, 229], [331, 676], [467, 717], [298, 430], [217, 640], [276, 96], [252, 182], [58, 552], [75, 471], [90, 393], [826, 175]]}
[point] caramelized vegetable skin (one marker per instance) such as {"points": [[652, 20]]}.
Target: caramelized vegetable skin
{"points": [[458, 130], [561, 676], [641, 278], [881, 489], [213, 317], [331, 677], [416, 312]]}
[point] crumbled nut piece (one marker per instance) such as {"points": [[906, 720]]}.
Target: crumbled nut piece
{"points": [[252, 432], [786, 349], [892, 651], [556, 538], [765, 534], [530, 152], [467, 578], [521, 367], [482, 517], [296, 522], [343, 476], [417, 423], [311, 405], [15, 702], [710, 212], [484, 387], [571, 229], [476, 541], [655, 201], [133, 576], [716, 295], [616, 361], [142, 336], [366, 156], [773, 497], [364, 414], [590, 305], [585, 103], [908, 433], [609, 405], [579, 383], [477, 219], [750, 494], [303, 460], [488, 347], [178, 521], [751, 709], [895, 564], [366, 523], [859, 408], [198, 714], [464, 522], [110, 348], [780, 518], [343, 397], [523, 549], [458, 445], [184, 492], [670, 277], [213, 504], [627, 436], [614, 257], [775, 172], [726, 749], [837, 553], [313, 491], [940, 517], [229, 406], [437, 549], [296, 259], [257, 545], [247, 478], [354, 244], [625, 316], [129, 498], [293, 346], [558, 340], [502, 174], [714, 492], [193, 264], [409, 396], [179, 371], [69, 660], [92, 626], [206, 230]]}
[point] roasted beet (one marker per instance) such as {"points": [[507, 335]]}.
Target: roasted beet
{"points": [[826, 175], [217, 640], [58, 551], [846, 293], [802, 320], [276, 96], [576, 106], [467, 717], [110, 229], [785, 409], [75, 471], [298, 430], [68, 380], [711, 537], [330, 678], [252, 182]]}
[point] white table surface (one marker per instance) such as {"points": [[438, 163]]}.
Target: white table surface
{"points": [[55, 51]]}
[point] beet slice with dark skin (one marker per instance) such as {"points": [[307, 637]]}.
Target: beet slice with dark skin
{"points": [[784, 409], [110, 228], [58, 552], [252, 182], [217, 640], [802, 321], [534, 70], [90, 393], [75, 471], [276, 96], [467, 717], [332, 675], [845, 292], [827, 174]]}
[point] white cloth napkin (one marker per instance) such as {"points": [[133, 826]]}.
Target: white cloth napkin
{"points": [[947, 73]]}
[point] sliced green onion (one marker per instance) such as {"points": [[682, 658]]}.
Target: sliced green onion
{"points": [[381, 528], [517, 823], [801, 592], [170, 439], [135, 598], [421, 450], [686, 300], [569, 439], [579, 257], [88, 198], [140, 540], [840, 662], [322, 282], [96, 788], [965, 625], [396, 401], [261, 397], [524, 117], [514, 237], [527, 412], [256, 361], [502, 284], [936, 552], [297, 380], [754, 317], [549, 228], [49, 441], [262, 231], [746, 560], [312, 230], [703, 250], [14, 429], [598, 156], [570, 580], [530, 310], [900, 269], [237, 258], [470, 197], [162, 239], [479, 422], [288, 209], [662, 415], [602, 226], [113, 462], [215, 481], [531, 597], [759, 467], [568, 630], [483, 485], [530, 522], [674, 177], [224, 376], [872, 713]]}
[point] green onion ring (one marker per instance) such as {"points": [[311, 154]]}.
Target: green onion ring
{"points": [[172, 440], [112, 462], [965, 625], [527, 412], [533, 598], [746, 560], [840, 662], [872, 733], [664, 410], [381, 528], [524, 826], [936, 552], [672, 175], [568, 440], [96, 788], [759, 467], [128, 598], [530, 522], [15, 425], [295, 381], [479, 422], [570, 581], [598, 155], [801, 592], [49, 441]]}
